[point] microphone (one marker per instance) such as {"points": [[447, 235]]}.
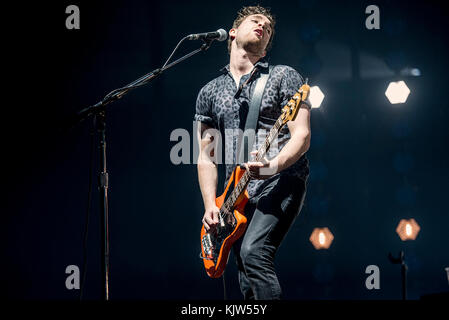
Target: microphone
{"points": [[220, 35]]}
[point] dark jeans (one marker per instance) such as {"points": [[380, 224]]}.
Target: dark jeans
{"points": [[270, 218]]}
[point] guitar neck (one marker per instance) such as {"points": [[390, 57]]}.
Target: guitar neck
{"points": [[243, 182]]}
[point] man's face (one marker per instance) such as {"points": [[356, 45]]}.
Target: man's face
{"points": [[253, 34]]}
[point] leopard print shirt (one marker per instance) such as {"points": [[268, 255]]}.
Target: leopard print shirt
{"points": [[223, 106]]}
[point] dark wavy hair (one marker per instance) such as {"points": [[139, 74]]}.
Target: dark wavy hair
{"points": [[248, 11]]}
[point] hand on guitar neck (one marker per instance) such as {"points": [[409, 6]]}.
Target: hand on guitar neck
{"points": [[262, 169]]}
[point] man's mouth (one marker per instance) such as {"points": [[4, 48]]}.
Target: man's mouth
{"points": [[259, 32]]}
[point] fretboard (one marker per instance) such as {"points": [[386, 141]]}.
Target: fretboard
{"points": [[228, 206]]}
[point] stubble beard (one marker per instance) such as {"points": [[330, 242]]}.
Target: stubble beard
{"points": [[254, 47]]}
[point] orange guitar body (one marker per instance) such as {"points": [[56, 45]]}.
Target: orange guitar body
{"points": [[215, 263]]}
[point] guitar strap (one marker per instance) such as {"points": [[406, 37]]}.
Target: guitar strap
{"points": [[252, 117]]}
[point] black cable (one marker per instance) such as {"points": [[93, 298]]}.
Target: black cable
{"points": [[89, 203], [173, 52], [130, 87]]}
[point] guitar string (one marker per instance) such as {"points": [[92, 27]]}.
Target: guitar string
{"points": [[245, 178]]}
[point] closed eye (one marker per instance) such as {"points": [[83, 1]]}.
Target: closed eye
{"points": [[266, 28]]}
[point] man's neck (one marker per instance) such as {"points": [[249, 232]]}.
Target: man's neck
{"points": [[241, 62]]}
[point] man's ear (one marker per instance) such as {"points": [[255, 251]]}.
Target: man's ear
{"points": [[232, 34]]}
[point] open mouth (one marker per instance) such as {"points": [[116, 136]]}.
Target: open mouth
{"points": [[259, 32]]}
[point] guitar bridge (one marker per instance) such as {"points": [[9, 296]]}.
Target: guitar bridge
{"points": [[207, 247]]}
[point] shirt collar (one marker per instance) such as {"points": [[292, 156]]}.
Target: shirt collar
{"points": [[262, 63]]}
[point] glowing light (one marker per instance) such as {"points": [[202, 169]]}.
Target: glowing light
{"points": [[407, 72], [321, 238], [407, 229], [397, 92], [316, 96]]}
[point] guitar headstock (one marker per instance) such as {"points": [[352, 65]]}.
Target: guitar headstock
{"points": [[290, 110]]}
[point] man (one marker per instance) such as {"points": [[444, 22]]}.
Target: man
{"points": [[278, 185]]}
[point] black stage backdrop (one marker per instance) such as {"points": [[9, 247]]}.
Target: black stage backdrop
{"points": [[372, 163]]}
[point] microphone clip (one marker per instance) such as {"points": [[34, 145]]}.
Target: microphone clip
{"points": [[206, 44]]}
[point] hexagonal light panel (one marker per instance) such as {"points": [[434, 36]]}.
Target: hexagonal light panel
{"points": [[408, 229], [316, 96], [397, 92], [321, 238]]}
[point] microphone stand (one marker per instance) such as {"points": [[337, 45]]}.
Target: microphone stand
{"points": [[98, 111], [118, 93]]}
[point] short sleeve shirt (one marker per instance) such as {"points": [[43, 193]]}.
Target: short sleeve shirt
{"points": [[224, 106]]}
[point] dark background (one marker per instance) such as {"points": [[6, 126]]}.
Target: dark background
{"points": [[372, 163]]}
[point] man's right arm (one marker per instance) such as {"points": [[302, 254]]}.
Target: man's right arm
{"points": [[207, 175]]}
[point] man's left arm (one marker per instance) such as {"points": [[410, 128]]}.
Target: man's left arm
{"points": [[299, 142], [297, 145]]}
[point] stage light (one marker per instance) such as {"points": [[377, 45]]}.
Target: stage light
{"points": [[397, 92], [316, 96], [408, 229], [321, 238], [410, 72]]}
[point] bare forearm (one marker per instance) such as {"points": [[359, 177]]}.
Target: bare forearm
{"points": [[208, 177], [292, 151]]}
